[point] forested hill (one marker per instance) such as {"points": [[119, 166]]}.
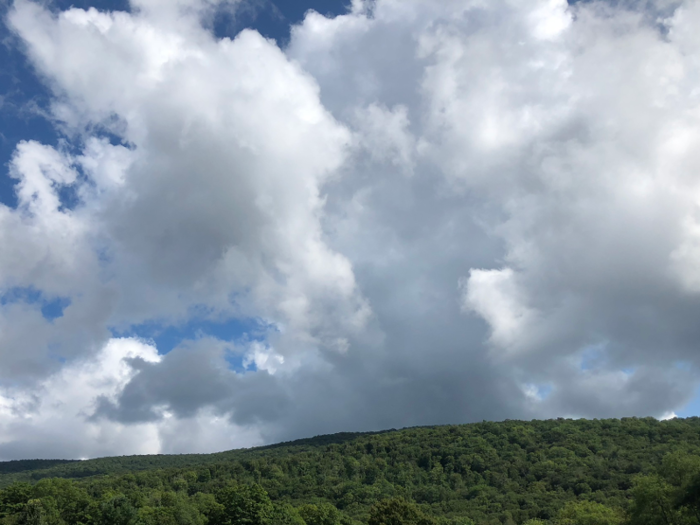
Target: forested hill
{"points": [[31, 470], [507, 472]]}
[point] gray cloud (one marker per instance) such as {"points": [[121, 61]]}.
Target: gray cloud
{"points": [[444, 212]]}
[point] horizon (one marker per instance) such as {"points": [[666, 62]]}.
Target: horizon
{"points": [[343, 432], [232, 223]]}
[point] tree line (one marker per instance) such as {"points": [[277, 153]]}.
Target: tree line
{"points": [[564, 472]]}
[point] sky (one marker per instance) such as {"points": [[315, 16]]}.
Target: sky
{"points": [[226, 223]]}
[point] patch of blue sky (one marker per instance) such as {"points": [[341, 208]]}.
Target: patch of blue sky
{"points": [[51, 307], [692, 408], [23, 105], [544, 391], [593, 356], [240, 364], [68, 196], [538, 392], [273, 19], [111, 137], [100, 5], [168, 336], [239, 332], [20, 294]]}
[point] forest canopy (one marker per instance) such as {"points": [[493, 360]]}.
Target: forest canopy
{"points": [[568, 472]]}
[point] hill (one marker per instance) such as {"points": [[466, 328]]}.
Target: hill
{"points": [[507, 472], [32, 470]]}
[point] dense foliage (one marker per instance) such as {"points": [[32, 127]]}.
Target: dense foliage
{"points": [[568, 472]]}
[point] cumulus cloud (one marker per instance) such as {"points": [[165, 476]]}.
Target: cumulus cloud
{"points": [[53, 420], [565, 136], [439, 212]]}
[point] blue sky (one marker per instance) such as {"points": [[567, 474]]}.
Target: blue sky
{"points": [[417, 213], [692, 408]]}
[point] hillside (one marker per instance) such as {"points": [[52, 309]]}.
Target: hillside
{"points": [[506, 472], [31, 470]]}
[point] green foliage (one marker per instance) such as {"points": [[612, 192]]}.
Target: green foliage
{"points": [[689, 498], [557, 472], [398, 511], [244, 505], [653, 502], [671, 497], [118, 511], [24, 465], [286, 514], [14, 498], [589, 513], [40, 512], [320, 514]]}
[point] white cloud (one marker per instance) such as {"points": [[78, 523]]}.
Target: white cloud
{"points": [[54, 414], [218, 193], [494, 295], [55, 418], [385, 135], [569, 132], [263, 357], [429, 205], [668, 415]]}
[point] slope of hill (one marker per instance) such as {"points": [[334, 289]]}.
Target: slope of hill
{"points": [[505, 472], [31, 470]]}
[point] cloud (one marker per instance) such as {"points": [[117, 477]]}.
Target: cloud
{"points": [[203, 199], [53, 420], [440, 212], [565, 136], [494, 295]]}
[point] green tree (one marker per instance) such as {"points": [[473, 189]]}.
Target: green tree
{"points": [[72, 502], [589, 513], [654, 502], [156, 516], [207, 505], [320, 514], [14, 498], [285, 514], [118, 511], [679, 468], [40, 512], [689, 498], [398, 511], [244, 505], [459, 520]]}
